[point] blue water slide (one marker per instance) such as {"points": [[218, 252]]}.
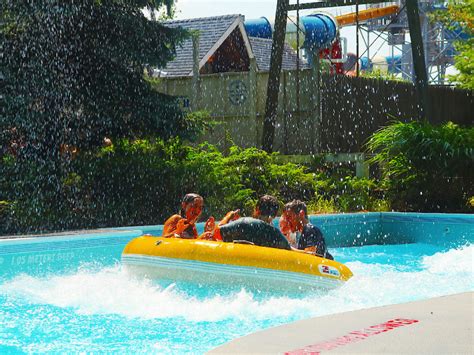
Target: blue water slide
{"points": [[259, 27], [394, 63], [320, 31], [365, 63]]}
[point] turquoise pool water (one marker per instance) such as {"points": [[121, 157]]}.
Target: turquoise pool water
{"points": [[74, 295]]}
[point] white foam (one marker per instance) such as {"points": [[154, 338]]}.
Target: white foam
{"points": [[113, 290], [455, 261]]}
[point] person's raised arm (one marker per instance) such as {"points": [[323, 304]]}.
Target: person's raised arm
{"points": [[230, 216]]}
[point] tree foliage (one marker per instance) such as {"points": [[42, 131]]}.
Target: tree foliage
{"points": [[459, 18], [74, 73]]}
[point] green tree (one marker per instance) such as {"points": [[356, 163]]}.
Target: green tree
{"points": [[460, 17], [74, 73]]}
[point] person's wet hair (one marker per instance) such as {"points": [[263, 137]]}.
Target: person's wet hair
{"points": [[296, 206], [188, 198], [268, 206]]}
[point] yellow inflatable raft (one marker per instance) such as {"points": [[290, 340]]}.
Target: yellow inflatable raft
{"points": [[209, 262]]}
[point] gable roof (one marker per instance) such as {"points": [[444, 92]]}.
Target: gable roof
{"points": [[262, 50], [212, 32]]}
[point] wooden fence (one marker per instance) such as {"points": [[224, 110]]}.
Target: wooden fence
{"points": [[353, 108]]}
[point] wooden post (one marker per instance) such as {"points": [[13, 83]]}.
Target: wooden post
{"points": [[357, 39], [316, 101], [253, 96], [284, 115], [271, 105], [362, 167], [196, 89], [421, 77]]}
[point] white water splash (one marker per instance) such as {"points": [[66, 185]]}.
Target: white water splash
{"points": [[113, 290]]}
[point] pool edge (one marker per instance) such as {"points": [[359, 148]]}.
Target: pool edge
{"points": [[437, 325]]}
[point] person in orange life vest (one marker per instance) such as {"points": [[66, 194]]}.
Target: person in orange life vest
{"points": [[183, 225], [302, 235]]}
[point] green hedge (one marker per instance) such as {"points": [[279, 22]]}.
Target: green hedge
{"points": [[423, 168], [141, 182]]}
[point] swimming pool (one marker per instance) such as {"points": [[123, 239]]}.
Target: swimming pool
{"points": [[71, 293]]}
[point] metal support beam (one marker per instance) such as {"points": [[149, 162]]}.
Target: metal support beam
{"points": [[273, 87], [253, 93], [417, 50]]}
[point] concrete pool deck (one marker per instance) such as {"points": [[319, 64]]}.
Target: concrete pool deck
{"points": [[442, 325]]}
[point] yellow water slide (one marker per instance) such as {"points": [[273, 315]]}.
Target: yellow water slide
{"points": [[364, 15]]}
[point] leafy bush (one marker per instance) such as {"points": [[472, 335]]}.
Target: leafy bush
{"points": [[426, 167], [141, 182], [239, 178], [131, 182], [347, 194], [38, 199], [4, 211], [381, 75]]}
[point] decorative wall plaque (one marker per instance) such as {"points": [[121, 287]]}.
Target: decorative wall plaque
{"points": [[238, 92]]}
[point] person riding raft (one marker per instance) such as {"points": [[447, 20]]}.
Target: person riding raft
{"points": [[257, 230], [183, 225], [300, 233]]}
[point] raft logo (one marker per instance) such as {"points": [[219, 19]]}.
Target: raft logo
{"points": [[329, 270]]}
